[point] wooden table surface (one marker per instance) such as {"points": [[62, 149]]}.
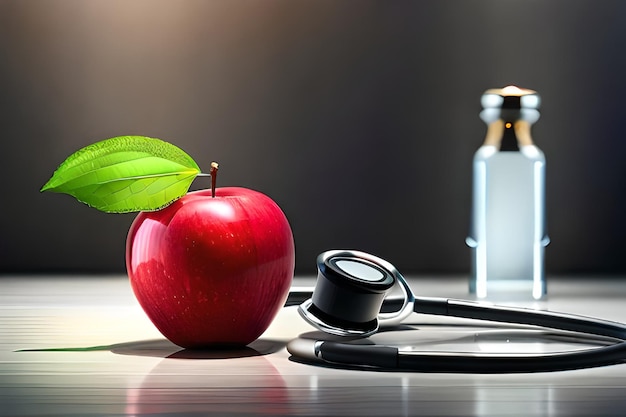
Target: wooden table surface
{"points": [[113, 362]]}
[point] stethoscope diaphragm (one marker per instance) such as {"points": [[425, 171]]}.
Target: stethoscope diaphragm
{"points": [[349, 293]]}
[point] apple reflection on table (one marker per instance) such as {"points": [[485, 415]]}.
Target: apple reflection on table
{"points": [[205, 381]]}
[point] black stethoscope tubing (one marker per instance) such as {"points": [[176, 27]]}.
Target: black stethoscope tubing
{"points": [[389, 357]]}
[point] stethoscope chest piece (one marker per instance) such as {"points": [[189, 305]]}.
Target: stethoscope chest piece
{"points": [[350, 289]]}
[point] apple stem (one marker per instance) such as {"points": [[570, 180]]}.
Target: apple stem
{"points": [[213, 173]]}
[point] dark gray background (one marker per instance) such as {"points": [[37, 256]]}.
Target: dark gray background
{"points": [[360, 118]]}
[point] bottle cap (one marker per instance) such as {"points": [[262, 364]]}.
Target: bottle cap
{"points": [[510, 103]]}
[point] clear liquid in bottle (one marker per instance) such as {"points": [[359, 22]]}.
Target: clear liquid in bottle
{"points": [[508, 228]]}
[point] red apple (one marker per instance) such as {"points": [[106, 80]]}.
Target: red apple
{"points": [[212, 270]]}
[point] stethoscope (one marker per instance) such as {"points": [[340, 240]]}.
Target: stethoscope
{"points": [[351, 288]]}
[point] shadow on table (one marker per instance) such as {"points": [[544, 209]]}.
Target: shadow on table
{"points": [[163, 348]]}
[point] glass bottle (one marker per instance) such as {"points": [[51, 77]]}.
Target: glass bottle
{"points": [[508, 228]]}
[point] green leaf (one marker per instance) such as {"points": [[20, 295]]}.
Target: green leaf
{"points": [[124, 174]]}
